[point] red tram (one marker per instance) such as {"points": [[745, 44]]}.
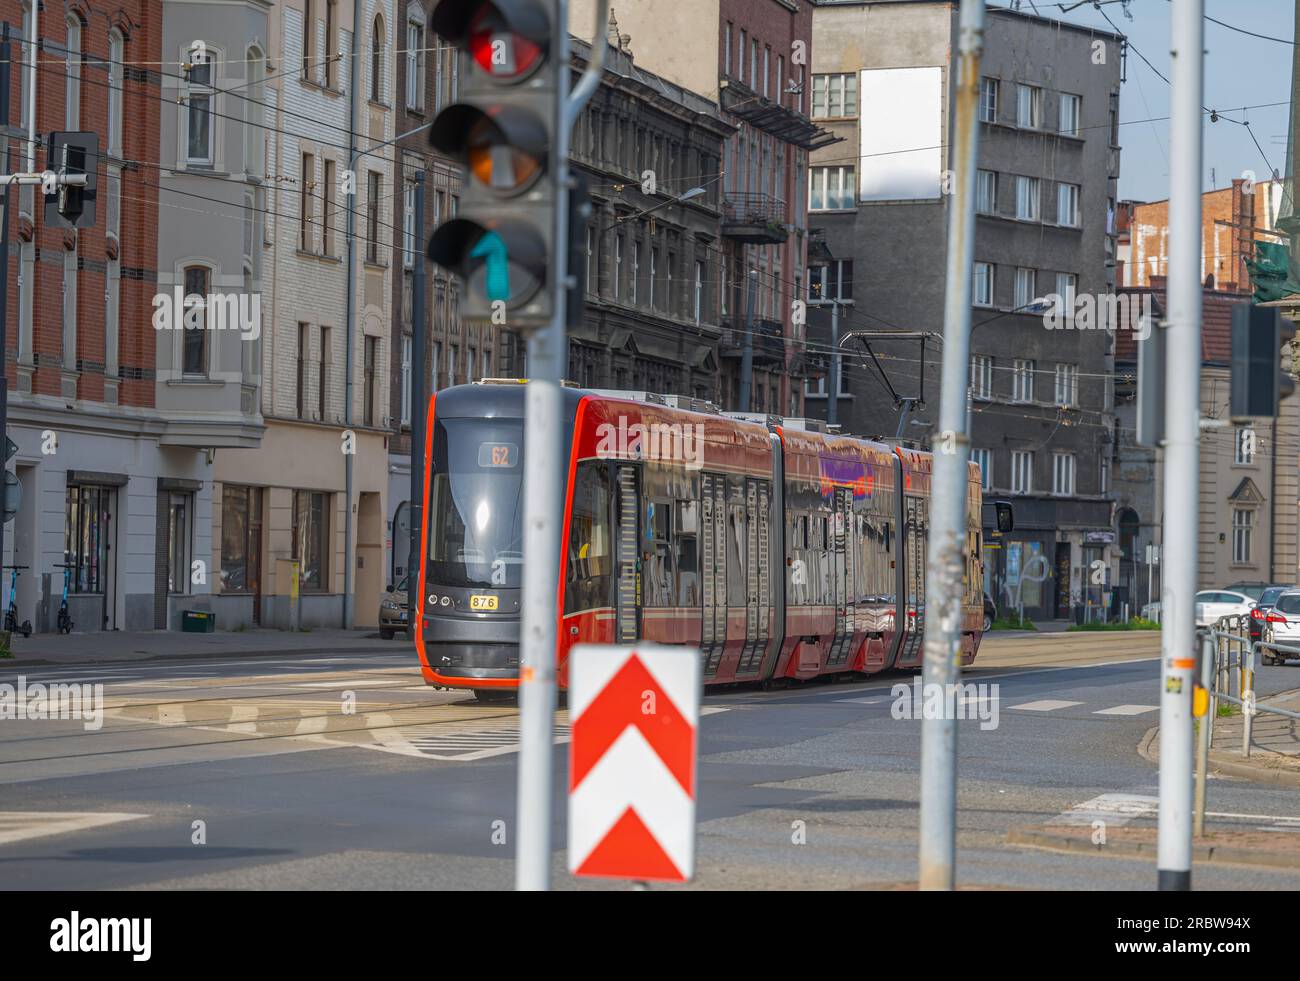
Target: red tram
{"points": [[781, 553]]}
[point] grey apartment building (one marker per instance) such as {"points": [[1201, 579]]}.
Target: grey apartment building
{"points": [[1041, 403]]}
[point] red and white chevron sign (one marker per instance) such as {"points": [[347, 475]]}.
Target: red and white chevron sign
{"points": [[634, 715]]}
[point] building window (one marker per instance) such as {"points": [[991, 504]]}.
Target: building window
{"points": [[1022, 380], [306, 204], [617, 274], [1027, 198], [331, 58], [1022, 472], [72, 73], [1244, 445], [24, 55], [984, 284], [740, 56], [415, 63], [767, 70], [323, 373], [241, 522], [833, 281], [1026, 282], [408, 223], [636, 273], [1029, 106], [304, 332], [1063, 474], [1067, 205], [985, 460], [986, 192], [327, 215], [1070, 112], [308, 39], [1066, 284], [377, 60], [194, 355], [371, 359], [830, 188], [981, 376], [1067, 384], [310, 538], [199, 93], [834, 96], [178, 542], [372, 217], [86, 536], [726, 50], [988, 100], [1243, 521], [115, 81], [699, 290], [1103, 477], [654, 271]]}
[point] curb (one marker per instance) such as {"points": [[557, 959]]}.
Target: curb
{"points": [[1223, 855], [389, 647], [1149, 750]]}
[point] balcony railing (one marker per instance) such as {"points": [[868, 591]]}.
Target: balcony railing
{"points": [[769, 341], [759, 218]]}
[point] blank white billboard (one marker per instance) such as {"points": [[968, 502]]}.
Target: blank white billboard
{"points": [[901, 129]]}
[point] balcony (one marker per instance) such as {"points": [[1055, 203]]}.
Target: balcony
{"points": [[769, 342], [756, 218], [784, 123]]}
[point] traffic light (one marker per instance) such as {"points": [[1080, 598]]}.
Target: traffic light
{"points": [[1259, 378], [503, 131], [71, 154]]}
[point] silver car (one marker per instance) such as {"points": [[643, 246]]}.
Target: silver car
{"points": [[393, 611], [1282, 626]]}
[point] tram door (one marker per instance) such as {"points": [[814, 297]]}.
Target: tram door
{"points": [[758, 585], [713, 556], [842, 549], [915, 517], [628, 593]]}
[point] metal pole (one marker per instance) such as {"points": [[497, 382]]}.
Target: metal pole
{"points": [[6, 76], [349, 559], [1203, 734], [1182, 450], [544, 499], [419, 402], [832, 407], [32, 44], [951, 446], [747, 346]]}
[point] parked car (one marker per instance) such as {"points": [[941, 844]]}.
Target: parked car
{"points": [[1151, 611], [1282, 626], [990, 612], [1266, 601], [1251, 589], [393, 611], [1214, 603]]}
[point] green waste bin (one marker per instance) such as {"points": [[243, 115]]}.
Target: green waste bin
{"points": [[198, 622]]}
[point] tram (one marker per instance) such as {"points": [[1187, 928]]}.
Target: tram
{"points": [[780, 551]]}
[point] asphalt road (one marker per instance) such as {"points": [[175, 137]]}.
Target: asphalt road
{"points": [[345, 772]]}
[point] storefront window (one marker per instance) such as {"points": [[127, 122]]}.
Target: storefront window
{"points": [[310, 528], [86, 536], [241, 521]]}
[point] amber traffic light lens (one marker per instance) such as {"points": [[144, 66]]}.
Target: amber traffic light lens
{"points": [[496, 164], [497, 50]]}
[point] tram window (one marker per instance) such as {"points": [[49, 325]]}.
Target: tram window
{"points": [[588, 578], [686, 552], [658, 554]]}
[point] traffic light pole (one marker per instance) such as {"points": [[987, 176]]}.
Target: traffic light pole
{"points": [[544, 478], [1182, 448], [419, 410], [946, 568]]}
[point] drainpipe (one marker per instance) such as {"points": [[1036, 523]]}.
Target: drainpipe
{"points": [[348, 458]]}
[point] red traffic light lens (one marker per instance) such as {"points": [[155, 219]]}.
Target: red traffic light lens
{"points": [[499, 51]]}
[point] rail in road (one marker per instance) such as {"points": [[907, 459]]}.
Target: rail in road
{"points": [[1069, 649]]}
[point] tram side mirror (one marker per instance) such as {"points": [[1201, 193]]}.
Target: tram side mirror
{"points": [[1006, 519]]}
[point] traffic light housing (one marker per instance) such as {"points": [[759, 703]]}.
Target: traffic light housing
{"points": [[503, 131], [1259, 378], [71, 154]]}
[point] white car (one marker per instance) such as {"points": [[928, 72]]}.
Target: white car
{"points": [[1214, 603], [1282, 626]]}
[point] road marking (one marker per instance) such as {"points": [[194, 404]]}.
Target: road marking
{"points": [[859, 701], [1113, 809], [19, 825], [1128, 710], [1044, 705], [355, 683]]}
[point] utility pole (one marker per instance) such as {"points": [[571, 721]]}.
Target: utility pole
{"points": [[349, 554], [1182, 448], [832, 399], [419, 406], [951, 447], [747, 345], [6, 76]]}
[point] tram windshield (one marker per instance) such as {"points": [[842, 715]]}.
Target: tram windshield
{"points": [[476, 519]]}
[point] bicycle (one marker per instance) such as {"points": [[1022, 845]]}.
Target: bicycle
{"points": [[65, 618], [11, 613]]}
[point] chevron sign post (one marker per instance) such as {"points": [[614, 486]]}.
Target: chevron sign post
{"points": [[635, 714]]}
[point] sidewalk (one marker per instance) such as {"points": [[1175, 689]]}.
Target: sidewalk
{"points": [[1274, 744], [117, 646]]}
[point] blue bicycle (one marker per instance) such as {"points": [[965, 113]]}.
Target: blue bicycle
{"points": [[11, 613], [65, 618]]}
